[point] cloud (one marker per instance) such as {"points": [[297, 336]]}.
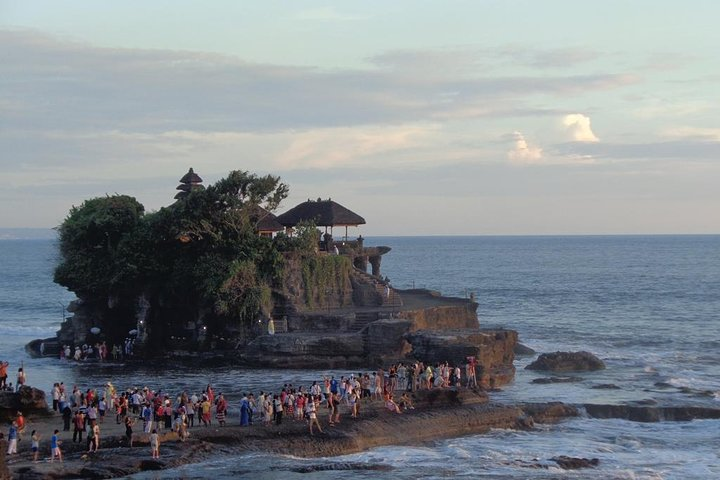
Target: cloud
{"points": [[522, 152], [578, 126]]}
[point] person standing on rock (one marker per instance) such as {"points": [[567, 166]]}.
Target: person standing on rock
{"points": [[35, 445], [20, 378], [3, 374]]}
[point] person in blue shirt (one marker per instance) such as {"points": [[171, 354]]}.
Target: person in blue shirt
{"points": [[55, 447], [12, 439]]}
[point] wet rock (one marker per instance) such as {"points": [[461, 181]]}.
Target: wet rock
{"points": [[151, 465], [574, 463], [524, 350], [567, 362], [549, 412], [605, 386], [546, 380], [342, 466], [640, 413]]}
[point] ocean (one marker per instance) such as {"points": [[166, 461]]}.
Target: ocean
{"points": [[649, 306]]}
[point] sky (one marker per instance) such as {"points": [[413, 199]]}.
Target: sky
{"points": [[425, 117]]}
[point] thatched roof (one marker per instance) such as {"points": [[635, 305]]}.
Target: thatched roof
{"points": [[191, 177], [263, 220], [324, 213], [189, 182]]}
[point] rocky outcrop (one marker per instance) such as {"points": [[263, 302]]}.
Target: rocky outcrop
{"points": [[575, 463], [493, 350], [546, 380], [567, 362], [523, 350], [439, 413], [651, 413], [28, 400]]}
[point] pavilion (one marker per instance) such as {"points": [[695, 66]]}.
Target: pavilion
{"points": [[323, 213]]}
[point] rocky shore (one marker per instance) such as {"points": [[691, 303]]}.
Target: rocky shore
{"points": [[438, 414]]}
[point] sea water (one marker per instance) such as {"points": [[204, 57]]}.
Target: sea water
{"points": [[649, 306]]}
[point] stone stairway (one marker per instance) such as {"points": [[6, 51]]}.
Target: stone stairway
{"points": [[388, 296]]}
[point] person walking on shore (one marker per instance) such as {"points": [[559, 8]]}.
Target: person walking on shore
{"points": [[79, 423], [12, 439], [35, 445], [55, 447], [129, 422], [155, 444], [312, 411]]}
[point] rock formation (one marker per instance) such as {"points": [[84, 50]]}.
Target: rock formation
{"points": [[28, 400], [567, 362]]}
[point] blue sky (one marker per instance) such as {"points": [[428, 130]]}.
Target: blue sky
{"points": [[443, 117]]}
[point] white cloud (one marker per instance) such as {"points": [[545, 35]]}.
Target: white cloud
{"points": [[578, 126], [524, 153]]}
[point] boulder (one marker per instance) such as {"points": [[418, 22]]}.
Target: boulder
{"points": [[28, 400], [574, 463], [546, 380], [567, 362]]}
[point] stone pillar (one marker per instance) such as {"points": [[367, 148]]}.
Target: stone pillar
{"points": [[361, 262], [375, 262]]}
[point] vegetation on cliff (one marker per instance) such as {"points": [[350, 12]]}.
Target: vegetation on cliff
{"points": [[196, 262]]}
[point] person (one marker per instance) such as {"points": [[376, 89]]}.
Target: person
{"points": [[20, 422], [271, 326], [245, 411], [392, 406], [3, 374], [20, 378], [205, 408], [55, 447], [12, 439], [221, 408], [312, 413], [406, 402], [35, 445], [129, 422], [155, 444], [277, 409], [79, 423], [93, 440], [67, 418]]}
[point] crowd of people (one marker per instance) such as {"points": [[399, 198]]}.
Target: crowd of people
{"points": [[157, 412], [99, 351]]}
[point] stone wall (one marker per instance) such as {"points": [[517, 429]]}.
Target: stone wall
{"points": [[442, 317]]}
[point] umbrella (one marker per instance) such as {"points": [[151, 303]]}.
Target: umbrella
{"points": [[94, 330], [133, 332]]}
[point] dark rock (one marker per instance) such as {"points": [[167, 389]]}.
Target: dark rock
{"points": [[546, 380], [151, 465], [606, 386], [574, 463], [567, 362], [641, 413], [29, 400], [523, 350], [342, 466], [526, 422], [549, 412]]}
